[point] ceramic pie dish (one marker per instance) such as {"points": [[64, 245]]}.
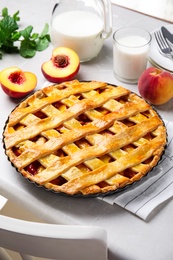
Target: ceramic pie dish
{"points": [[84, 138]]}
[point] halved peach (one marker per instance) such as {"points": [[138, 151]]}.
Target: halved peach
{"points": [[17, 83], [63, 65]]}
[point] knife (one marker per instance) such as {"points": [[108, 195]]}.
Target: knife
{"points": [[166, 34]]}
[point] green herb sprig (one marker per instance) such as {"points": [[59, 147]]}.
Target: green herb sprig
{"points": [[24, 42]]}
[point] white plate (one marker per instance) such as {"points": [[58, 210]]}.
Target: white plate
{"points": [[157, 57]]}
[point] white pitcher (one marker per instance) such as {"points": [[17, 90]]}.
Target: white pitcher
{"points": [[81, 25]]}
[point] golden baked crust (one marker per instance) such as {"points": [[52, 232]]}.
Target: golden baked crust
{"points": [[84, 137]]}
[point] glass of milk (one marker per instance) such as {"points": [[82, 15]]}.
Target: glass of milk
{"points": [[81, 25], [130, 53]]}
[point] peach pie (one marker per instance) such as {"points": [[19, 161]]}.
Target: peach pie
{"points": [[84, 137]]}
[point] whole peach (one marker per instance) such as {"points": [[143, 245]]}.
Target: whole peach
{"points": [[156, 86]]}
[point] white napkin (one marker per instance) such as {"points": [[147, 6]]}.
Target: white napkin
{"points": [[3, 201], [155, 188]]}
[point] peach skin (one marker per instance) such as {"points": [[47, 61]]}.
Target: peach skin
{"points": [[63, 65], [156, 86], [17, 83]]}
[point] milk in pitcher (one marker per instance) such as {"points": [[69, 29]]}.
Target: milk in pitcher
{"points": [[80, 31]]}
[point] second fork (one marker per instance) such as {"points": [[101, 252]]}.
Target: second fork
{"points": [[164, 48]]}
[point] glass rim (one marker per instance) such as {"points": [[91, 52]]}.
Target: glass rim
{"points": [[131, 28]]}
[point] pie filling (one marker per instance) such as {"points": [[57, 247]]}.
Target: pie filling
{"points": [[84, 137]]}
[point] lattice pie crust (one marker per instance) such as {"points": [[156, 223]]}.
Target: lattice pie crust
{"points": [[84, 137]]}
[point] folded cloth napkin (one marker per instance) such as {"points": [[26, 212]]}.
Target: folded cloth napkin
{"points": [[142, 197], [2, 202]]}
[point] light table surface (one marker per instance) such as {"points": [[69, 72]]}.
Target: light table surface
{"points": [[129, 237]]}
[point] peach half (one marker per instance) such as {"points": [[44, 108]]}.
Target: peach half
{"points": [[17, 83], [63, 65]]}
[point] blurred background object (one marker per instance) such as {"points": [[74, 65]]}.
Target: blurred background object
{"points": [[162, 9]]}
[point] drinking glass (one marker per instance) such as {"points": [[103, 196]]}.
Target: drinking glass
{"points": [[130, 53]]}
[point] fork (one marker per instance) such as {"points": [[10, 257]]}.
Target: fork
{"points": [[165, 49]]}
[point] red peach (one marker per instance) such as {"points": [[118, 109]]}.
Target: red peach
{"points": [[156, 86], [17, 83], [63, 65]]}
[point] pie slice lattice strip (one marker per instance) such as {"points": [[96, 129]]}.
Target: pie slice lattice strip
{"points": [[84, 137]]}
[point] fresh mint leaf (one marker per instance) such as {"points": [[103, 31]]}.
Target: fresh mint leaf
{"points": [[28, 43], [5, 12], [16, 36], [42, 44], [43, 39], [27, 48], [16, 17], [26, 33], [35, 36], [8, 25], [45, 31], [7, 28]]}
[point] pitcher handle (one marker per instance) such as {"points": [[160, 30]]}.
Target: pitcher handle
{"points": [[107, 13]]}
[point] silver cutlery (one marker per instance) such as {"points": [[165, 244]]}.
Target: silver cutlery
{"points": [[164, 47], [167, 34]]}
